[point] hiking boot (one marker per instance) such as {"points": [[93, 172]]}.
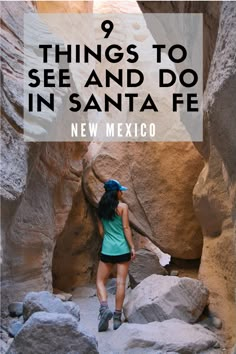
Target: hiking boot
{"points": [[116, 320], [105, 315]]}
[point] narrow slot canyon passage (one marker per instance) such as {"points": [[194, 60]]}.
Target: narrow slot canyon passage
{"points": [[181, 198]]}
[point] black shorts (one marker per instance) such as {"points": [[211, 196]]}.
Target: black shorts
{"points": [[115, 259]]}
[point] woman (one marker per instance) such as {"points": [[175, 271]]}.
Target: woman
{"points": [[117, 248]]}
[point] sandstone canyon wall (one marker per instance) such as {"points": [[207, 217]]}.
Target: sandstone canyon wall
{"points": [[214, 193], [40, 182]]}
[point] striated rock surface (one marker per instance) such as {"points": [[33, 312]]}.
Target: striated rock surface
{"points": [[160, 179], [214, 194], [40, 218], [40, 181], [171, 336], [145, 264], [215, 191], [53, 333], [159, 298], [17, 158]]}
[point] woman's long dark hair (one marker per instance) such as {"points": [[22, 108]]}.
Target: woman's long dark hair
{"points": [[107, 205]]}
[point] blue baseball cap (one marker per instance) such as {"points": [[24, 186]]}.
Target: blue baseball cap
{"points": [[114, 185]]}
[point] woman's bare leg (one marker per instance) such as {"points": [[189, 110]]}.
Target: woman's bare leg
{"points": [[122, 271], [105, 314], [104, 270]]}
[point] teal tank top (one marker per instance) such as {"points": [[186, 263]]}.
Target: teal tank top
{"points": [[114, 240]]}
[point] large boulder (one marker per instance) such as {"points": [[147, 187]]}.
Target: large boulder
{"points": [[145, 264], [171, 336], [160, 178], [159, 298], [52, 333], [47, 302]]}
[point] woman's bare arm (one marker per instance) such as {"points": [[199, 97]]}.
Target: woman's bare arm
{"points": [[127, 230], [100, 228]]}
